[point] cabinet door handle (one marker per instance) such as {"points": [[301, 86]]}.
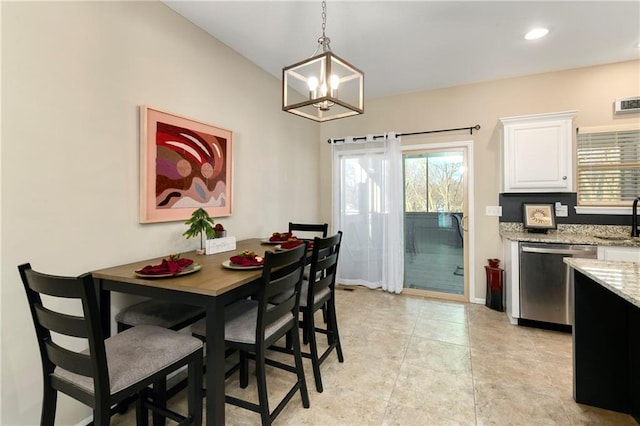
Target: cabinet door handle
{"points": [[564, 178], [465, 222]]}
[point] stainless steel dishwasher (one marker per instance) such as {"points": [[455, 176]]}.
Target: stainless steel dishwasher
{"points": [[545, 280]]}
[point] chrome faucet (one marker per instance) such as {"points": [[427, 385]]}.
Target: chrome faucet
{"points": [[634, 218]]}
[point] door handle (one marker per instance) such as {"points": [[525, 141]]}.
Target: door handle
{"points": [[465, 223]]}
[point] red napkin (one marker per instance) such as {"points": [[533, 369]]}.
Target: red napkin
{"points": [[280, 236], [166, 267], [295, 243], [246, 261], [291, 244]]}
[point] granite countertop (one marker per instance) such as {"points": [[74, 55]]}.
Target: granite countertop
{"points": [[601, 235], [622, 278]]}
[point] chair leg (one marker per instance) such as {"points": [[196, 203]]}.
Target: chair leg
{"points": [[297, 353], [194, 400], [142, 412], [160, 391], [305, 334], [102, 413], [244, 370], [333, 324], [261, 376], [313, 349], [288, 342], [49, 400]]}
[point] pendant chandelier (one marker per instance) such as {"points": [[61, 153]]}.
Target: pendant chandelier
{"points": [[323, 87]]}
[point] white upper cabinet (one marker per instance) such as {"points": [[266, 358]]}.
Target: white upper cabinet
{"points": [[538, 152]]}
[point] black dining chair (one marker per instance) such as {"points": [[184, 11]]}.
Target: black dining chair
{"points": [[109, 370], [310, 231], [253, 325], [320, 294]]}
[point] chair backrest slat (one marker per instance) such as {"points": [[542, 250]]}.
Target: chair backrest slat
{"points": [[75, 362], [282, 276], [326, 262], [284, 284], [322, 283], [68, 325], [320, 228], [53, 285]]}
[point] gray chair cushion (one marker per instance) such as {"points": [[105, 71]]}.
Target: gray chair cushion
{"points": [[241, 321], [307, 270], [305, 291], [136, 354], [158, 312]]}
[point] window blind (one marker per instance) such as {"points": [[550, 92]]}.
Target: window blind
{"points": [[608, 167]]}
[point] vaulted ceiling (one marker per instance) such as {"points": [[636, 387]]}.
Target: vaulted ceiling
{"points": [[407, 46]]}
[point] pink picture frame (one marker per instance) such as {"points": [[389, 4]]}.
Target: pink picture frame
{"points": [[185, 164]]}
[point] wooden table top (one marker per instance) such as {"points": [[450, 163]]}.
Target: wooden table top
{"points": [[212, 280]]}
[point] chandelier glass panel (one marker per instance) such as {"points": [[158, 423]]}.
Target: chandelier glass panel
{"points": [[323, 87]]}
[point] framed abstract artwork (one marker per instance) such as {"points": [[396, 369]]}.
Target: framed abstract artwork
{"points": [[184, 165]]}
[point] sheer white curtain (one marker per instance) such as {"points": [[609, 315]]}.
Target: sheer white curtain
{"points": [[368, 208]]}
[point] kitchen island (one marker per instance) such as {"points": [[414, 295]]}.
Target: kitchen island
{"points": [[606, 334]]}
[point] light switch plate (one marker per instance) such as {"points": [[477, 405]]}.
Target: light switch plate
{"points": [[493, 210]]}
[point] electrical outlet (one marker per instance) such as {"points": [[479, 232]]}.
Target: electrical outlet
{"points": [[493, 210], [562, 210]]}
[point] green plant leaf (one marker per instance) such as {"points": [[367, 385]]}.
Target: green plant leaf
{"points": [[200, 223]]}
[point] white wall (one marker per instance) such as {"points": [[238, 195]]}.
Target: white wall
{"points": [[73, 77], [590, 90]]}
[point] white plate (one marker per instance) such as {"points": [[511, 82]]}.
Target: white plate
{"points": [[227, 264], [279, 247], [194, 267]]}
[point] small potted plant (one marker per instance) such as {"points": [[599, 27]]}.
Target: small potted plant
{"points": [[201, 224], [220, 231]]}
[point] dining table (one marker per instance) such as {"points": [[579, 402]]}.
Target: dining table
{"points": [[211, 285]]}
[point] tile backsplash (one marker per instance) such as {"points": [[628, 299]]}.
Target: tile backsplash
{"points": [[511, 204]]}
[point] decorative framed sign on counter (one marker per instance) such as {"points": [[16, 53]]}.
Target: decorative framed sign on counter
{"points": [[538, 217], [184, 165]]}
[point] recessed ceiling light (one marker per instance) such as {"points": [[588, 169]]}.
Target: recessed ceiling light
{"points": [[536, 33]]}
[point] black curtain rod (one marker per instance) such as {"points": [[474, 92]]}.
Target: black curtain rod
{"points": [[363, 138]]}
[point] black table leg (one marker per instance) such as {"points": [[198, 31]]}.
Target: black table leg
{"points": [[104, 301], [215, 362]]}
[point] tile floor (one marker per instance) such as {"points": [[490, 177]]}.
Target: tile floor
{"points": [[415, 361]]}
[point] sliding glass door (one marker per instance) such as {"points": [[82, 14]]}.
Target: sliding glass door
{"points": [[434, 222]]}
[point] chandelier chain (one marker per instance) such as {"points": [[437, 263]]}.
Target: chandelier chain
{"points": [[324, 41], [324, 17]]}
